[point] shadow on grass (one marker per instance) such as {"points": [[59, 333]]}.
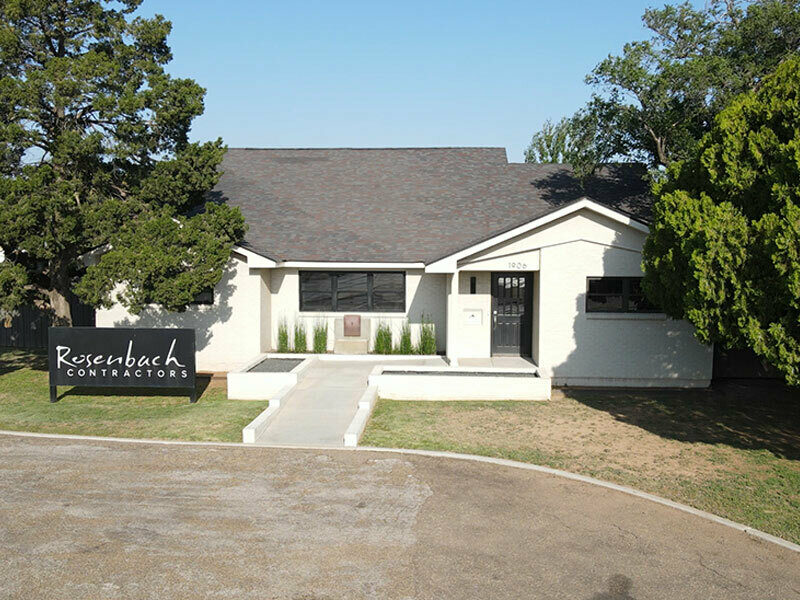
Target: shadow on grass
{"points": [[202, 382], [14, 359], [760, 415]]}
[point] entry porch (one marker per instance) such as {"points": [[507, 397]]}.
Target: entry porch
{"points": [[491, 317]]}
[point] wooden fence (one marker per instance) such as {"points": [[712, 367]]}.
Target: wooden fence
{"points": [[29, 328]]}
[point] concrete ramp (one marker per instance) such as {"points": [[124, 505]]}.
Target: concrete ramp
{"points": [[319, 409]]}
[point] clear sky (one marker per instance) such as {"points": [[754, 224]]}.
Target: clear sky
{"points": [[402, 73]]}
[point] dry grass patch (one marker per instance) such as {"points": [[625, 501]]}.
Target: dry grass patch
{"points": [[733, 450]]}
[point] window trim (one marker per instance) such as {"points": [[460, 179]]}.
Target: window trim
{"points": [[333, 277], [626, 294]]}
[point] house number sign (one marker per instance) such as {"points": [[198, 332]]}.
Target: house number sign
{"points": [[517, 266]]}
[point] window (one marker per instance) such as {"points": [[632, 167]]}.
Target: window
{"points": [[204, 297], [353, 291], [473, 285], [389, 292], [315, 291], [616, 294]]}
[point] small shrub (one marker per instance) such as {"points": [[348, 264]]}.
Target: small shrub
{"points": [[300, 342], [427, 338], [405, 347], [320, 337], [283, 336], [383, 339]]}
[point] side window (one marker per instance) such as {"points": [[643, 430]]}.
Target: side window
{"points": [[604, 294], [204, 297], [616, 294]]}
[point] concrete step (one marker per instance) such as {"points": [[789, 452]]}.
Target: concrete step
{"points": [[351, 346]]}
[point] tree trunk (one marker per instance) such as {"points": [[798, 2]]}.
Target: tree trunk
{"points": [[58, 294], [62, 312]]}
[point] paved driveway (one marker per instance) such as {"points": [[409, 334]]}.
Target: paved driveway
{"points": [[83, 519]]}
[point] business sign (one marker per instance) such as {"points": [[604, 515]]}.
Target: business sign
{"points": [[117, 357]]}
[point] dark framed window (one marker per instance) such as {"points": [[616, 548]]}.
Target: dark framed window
{"points": [[204, 297], [616, 295], [353, 291]]}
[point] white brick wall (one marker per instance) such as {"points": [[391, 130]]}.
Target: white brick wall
{"points": [[425, 294], [227, 332], [576, 348], [568, 345]]}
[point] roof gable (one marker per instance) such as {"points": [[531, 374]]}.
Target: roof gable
{"points": [[448, 263]]}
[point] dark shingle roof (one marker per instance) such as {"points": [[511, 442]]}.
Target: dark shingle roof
{"points": [[401, 204]]}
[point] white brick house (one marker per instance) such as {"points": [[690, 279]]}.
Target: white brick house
{"points": [[502, 258]]}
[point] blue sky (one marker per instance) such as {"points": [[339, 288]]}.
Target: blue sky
{"points": [[376, 74]]}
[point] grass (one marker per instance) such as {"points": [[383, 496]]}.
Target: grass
{"points": [[733, 451], [25, 406]]}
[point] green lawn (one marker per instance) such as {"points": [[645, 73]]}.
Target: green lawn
{"points": [[732, 451], [25, 406]]}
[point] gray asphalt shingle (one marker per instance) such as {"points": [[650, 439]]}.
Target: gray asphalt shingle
{"points": [[401, 204]]}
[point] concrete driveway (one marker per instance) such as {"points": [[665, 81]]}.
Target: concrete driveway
{"points": [[88, 519]]}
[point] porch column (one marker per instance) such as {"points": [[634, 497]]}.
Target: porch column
{"points": [[452, 318]]}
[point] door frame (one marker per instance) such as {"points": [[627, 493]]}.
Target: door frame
{"points": [[528, 275]]}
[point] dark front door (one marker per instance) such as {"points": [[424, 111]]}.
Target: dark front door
{"points": [[512, 314]]}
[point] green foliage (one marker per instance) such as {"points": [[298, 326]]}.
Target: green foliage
{"points": [[724, 248], [427, 337], [169, 259], [653, 102], [283, 337], [405, 346], [94, 153], [300, 341], [13, 284], [320, 337], [550, 144], [383, 339], [579, 141]]}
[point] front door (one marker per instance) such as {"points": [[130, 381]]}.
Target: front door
{"points": [[512, 313]]}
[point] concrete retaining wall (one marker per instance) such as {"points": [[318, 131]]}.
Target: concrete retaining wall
{"points": [[246, 385], [446, 384]]}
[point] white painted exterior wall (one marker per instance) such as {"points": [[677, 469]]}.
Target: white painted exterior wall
{"points": [[473, 331], [569, 345], [425, 295], [228, 333]]}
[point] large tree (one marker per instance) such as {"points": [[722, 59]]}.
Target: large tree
{"points": [[578, 140], [724, 247], [654, 101], [94, 154]]}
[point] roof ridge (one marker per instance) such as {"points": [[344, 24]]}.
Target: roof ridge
{"points": [[376, 148]]}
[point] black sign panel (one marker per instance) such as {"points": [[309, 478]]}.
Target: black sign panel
{"points": [[117, 357]]}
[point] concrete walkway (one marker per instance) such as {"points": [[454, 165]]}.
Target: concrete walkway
{"points": [[501, 362], [319, 409], [98, 519]]}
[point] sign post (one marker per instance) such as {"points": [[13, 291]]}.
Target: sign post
{"points": [[122, 357]]}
